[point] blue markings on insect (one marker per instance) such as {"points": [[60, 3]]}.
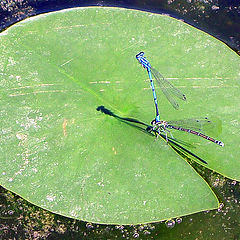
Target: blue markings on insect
{"points": [[167, 88], [146, 64], [143, 60]]}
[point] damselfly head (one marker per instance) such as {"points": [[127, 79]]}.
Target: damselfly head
{"points": [[139, 55], [153, 122]]}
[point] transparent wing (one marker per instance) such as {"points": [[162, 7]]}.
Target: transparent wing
{"points": [[203, 125], [168, 89]]}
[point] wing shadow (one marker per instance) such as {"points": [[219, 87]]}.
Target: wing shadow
{"points": [[143, 127]]}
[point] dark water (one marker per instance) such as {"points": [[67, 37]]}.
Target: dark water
{"points": [[22, 220], [220, 18]]}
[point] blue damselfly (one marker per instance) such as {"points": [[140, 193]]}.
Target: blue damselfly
{"points": [[167, 88]]}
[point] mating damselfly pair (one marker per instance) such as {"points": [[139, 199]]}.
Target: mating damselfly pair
{"points": [[193, 126]]}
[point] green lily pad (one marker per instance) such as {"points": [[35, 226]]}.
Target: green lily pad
{"points": [[60, 153]]}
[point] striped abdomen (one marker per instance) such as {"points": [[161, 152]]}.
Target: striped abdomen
{"points": [[196, 133]]}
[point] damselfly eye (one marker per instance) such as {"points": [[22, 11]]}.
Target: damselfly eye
{"points": [[153, 122]]}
